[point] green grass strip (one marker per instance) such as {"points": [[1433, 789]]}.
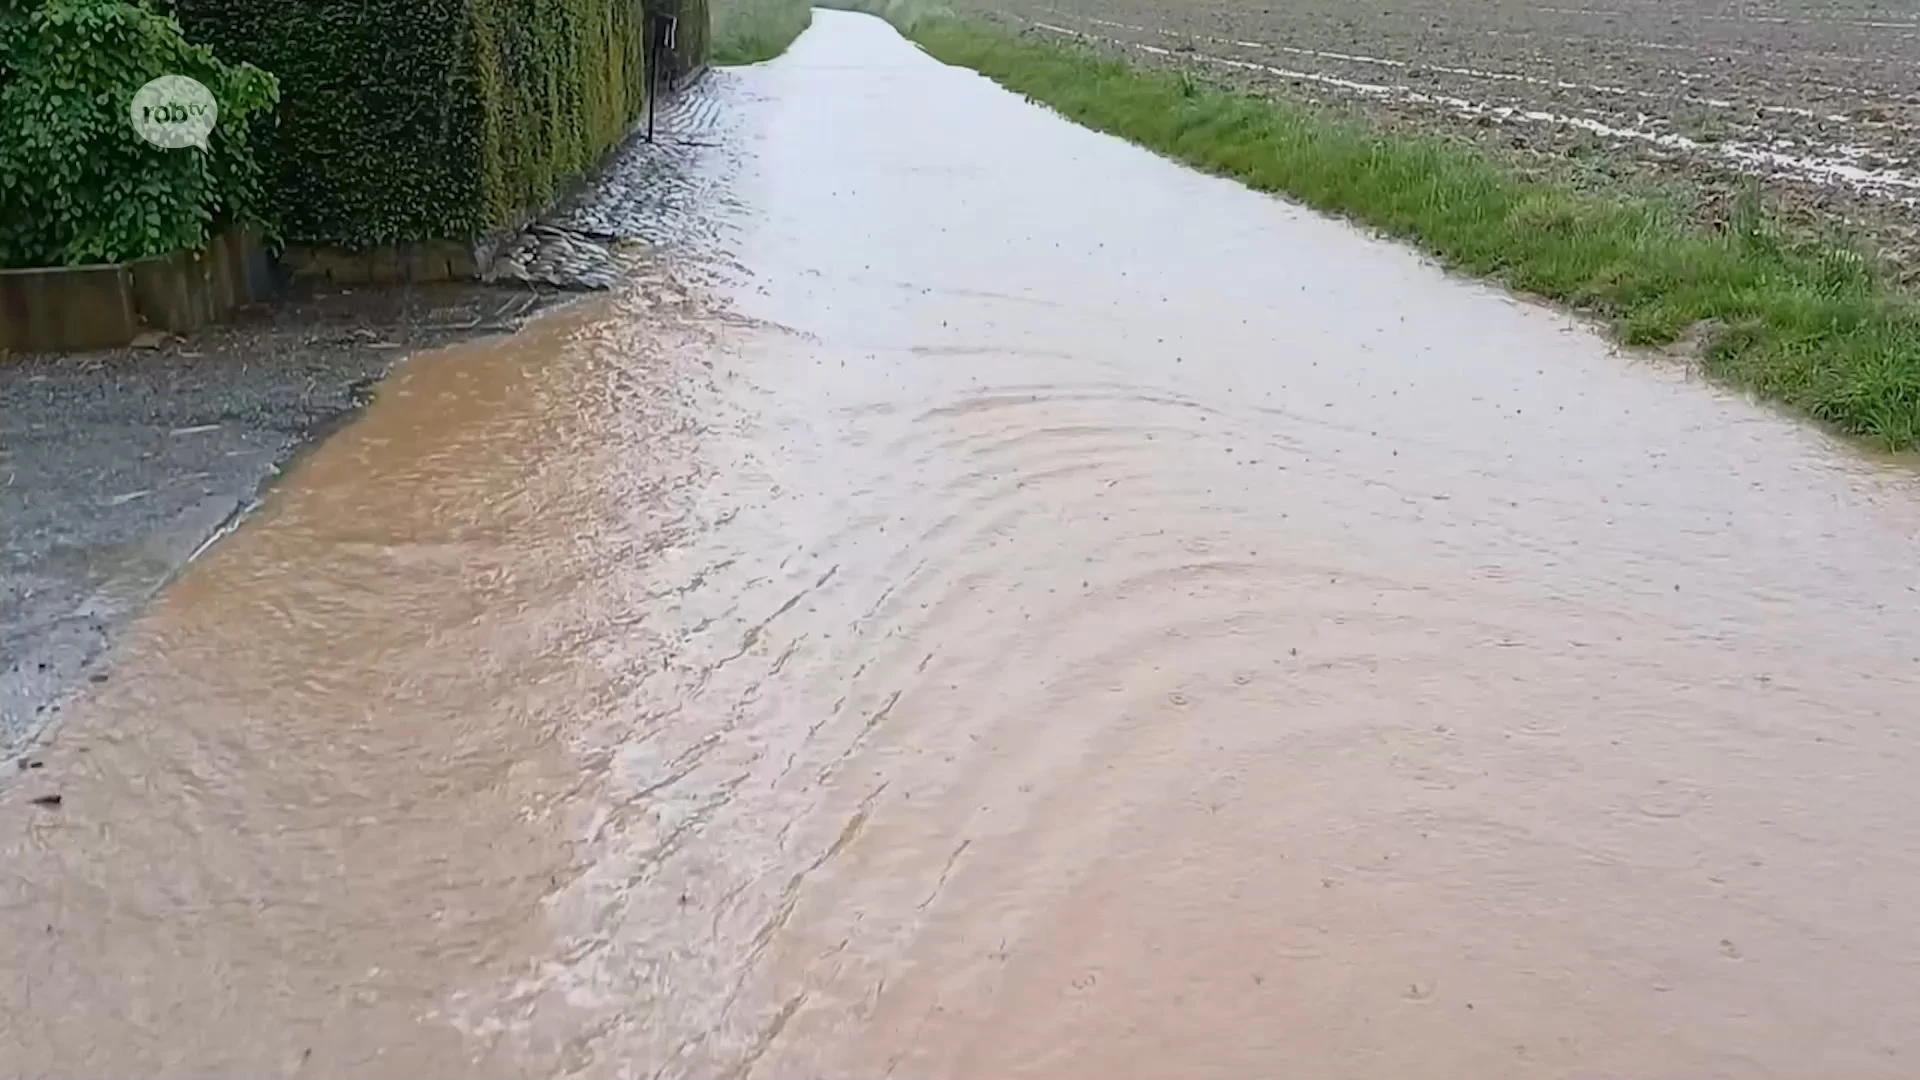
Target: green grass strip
{"points": [[1811, 325], [750, 31]]}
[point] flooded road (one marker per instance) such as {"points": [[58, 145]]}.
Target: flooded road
{"points": [[1001, 604]]}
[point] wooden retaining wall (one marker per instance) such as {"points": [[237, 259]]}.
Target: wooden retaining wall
{"points": [[73, 308]]}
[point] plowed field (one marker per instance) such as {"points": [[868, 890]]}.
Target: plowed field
{"points": [[1819, 100]]}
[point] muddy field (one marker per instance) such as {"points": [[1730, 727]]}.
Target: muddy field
{"points": [[1819, 99]]}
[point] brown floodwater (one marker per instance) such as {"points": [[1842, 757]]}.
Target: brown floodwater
{"points": [[1005, 606]]}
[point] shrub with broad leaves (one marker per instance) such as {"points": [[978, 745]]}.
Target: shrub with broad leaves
{"points": [[77, 184]]}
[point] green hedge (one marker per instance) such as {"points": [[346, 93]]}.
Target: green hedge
{"points": [[414, 120]]}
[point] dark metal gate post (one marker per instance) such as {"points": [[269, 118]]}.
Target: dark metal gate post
{"points": [[659, 30]]}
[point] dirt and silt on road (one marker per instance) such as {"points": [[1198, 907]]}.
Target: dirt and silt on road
{"points": [[1010, 607], [1819, 100]]}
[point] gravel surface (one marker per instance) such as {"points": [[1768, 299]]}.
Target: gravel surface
{"points": [[116, 468], [1820, 100], [642, 198]]}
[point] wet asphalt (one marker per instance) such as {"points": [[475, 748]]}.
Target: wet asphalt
{"points": [[117, 468], [114, 470]]}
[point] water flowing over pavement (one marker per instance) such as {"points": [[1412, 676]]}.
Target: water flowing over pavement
{"points": [[1004, 605]]}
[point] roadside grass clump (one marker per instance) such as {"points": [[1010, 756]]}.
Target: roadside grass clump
{"points": [[1811, 324], [750, 31], [907, 16]]}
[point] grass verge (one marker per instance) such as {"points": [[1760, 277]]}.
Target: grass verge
{"points": [[749, 31], [1810, 324]]}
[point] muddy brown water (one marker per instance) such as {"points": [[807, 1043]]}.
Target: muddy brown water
{"points": [[1014, 608]]}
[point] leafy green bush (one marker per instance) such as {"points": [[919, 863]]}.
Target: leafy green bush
{"points": [[414, 120], [77, 185]]}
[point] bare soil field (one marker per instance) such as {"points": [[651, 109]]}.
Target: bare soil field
{"points": [[1819, 99]]}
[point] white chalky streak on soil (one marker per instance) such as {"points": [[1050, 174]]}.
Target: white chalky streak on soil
{"points": [[1477, 73], [1772, 20], [1821, 169]]}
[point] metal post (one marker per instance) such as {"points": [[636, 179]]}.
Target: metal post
{"points": [[652, 98], [659, 31]]}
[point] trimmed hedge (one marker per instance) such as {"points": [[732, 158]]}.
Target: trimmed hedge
{"points": [[404, 121]]}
